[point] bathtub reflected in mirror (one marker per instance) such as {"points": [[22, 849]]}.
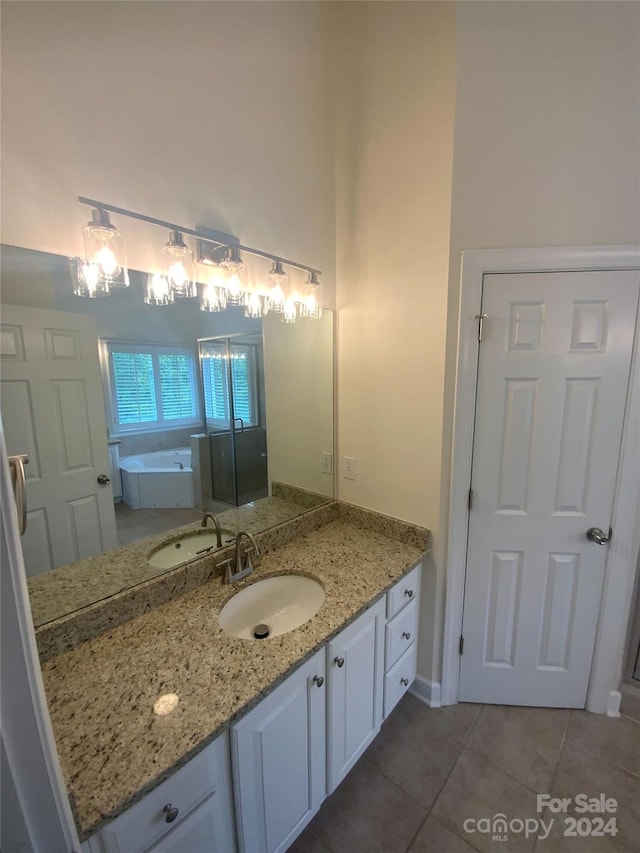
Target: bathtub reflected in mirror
{"points": [[81, 428]]}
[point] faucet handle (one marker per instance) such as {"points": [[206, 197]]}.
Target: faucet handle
{"points": [[227, 566]]}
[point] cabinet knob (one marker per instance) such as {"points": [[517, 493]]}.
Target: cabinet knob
{"points": [[319, 680], [170, 813], [406, 635], [409, 593], [339, 662], [404, 682]]}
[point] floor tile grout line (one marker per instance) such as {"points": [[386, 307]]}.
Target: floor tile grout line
{"points": [[602, 758], [441, 788], [557, 764]]}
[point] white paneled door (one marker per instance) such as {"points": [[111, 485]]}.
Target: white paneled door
{"points": [[52, 407], [552, 386]]}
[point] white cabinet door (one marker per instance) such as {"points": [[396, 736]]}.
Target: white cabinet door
{"points": [[355, 669], [279, 761]]}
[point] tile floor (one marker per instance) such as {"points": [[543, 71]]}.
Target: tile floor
{"points": [[134, 524], [429, 770]]}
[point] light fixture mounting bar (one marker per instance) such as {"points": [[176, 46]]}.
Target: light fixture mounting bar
{"points": [[215, 238]]}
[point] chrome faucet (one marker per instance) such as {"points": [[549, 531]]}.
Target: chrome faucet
{"points": [[216, 524], [241, 566]]}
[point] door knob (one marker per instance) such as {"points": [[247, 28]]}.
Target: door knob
{"points": [[594, 534], [103, 479]]}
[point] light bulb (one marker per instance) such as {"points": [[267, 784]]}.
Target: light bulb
{"points": [[253, 305], [214, 298], [158, 291], [236, 276], [289, 311], [278, 285], [107, 262], [178, 266], [312, 298], [104, 247], [87, 280]]}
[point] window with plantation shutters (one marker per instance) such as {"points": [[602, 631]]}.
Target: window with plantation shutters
{"points": [[215, 377], [151, 387]]}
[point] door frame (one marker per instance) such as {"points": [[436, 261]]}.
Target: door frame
{"points": [[609, 649], [27, 733]]}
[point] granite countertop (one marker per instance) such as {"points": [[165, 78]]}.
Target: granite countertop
{"points": [[114, 749]]}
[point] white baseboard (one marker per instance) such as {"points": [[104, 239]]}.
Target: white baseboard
{"points": [[427, 691], [613, 703]]}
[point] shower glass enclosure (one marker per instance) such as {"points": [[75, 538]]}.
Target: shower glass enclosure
{"points": [[232, 371]]}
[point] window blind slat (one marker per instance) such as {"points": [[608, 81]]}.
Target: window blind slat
{"points": [[153, 386]]}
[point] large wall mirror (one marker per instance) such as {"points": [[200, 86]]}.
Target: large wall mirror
{"points": [[138, 419]]}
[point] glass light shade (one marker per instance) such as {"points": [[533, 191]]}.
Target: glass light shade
{"points": [[157, 291], [236, 272], [311, 305], [253, 306], [87, 280], [214, 294], [278, 288], [178, 267], [104, 247], [290, 311]]}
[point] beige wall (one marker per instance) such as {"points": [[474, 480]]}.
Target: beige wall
{"points": [[394, 79], [547, 142], [201, 113], [298, 376], [546, 153]]}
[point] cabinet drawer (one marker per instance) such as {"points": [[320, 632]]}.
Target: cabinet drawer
{"points": [[403, 592], [400, 632], [399, 679], [207, 830], [145, 823]]}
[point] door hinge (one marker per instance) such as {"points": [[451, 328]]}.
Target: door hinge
{"points": [[470, 501], [480, 318], [461, 645]]}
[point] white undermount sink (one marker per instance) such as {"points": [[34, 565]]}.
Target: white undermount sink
{"points": [[183, 550], [273, 606]]}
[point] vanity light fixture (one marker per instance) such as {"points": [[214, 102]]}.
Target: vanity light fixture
{"points": [[236, 270], [277, 290], [253, 305], [214, 294], [87, 280], [178, 266], [311, 305], [104, 268], [104, 249], [157, 290], [290, 311]]}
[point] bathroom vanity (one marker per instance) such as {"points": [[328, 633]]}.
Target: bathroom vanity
{"points": [[262, 730]]}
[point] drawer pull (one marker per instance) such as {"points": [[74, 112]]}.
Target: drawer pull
{"points": [[170, 812], [409, 592], [339, 662], [319, 680], [404, 682]]}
